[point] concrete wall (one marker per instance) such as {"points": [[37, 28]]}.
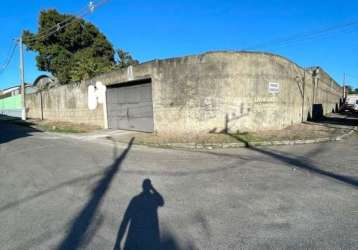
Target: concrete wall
{"points": [[68, 103], [211, 92], [229, 91]]}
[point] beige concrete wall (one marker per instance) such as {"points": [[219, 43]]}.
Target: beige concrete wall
{"points": [[68, 103], [226, 91], [229, 91], [211, 92]]}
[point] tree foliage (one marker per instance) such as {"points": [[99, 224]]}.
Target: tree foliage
{"points": [[74, 51], [351, 90], [124, 59]]}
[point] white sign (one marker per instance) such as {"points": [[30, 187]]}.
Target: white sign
{"points": [[130, 73], [274, 88], [96, 95]]}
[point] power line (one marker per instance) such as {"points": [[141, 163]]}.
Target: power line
{"points": [[355, 77], [9, 58], [44, 34], [299, 37], [59, 26], [311, 38]]}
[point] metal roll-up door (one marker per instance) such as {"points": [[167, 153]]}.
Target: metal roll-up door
{"points": [[130, 106]]}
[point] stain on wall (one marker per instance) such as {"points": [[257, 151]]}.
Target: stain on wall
{"points": [[67, 103]]}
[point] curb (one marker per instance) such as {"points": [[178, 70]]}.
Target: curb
{"points": [[210, 146], [105, 139], [342, 137]]}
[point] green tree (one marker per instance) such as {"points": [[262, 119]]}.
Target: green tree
{"points": [[124, 59], [73, 51], [350, 90]]}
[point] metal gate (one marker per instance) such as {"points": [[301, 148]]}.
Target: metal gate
{"points": [[130, 106]]}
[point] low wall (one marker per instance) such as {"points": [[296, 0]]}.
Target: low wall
{"points": [[212, 92], [67, 103]]}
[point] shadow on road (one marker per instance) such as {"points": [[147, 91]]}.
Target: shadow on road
{"points": [[342, 119], [49, 190], [302, 164], [141, 218], [10, 130], [141, 221], [80, 233]]}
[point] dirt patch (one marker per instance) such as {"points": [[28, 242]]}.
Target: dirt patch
{"points": [[304, 131], [59, 127], [145, 138]]}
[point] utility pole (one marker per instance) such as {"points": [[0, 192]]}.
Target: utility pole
{"points": [[344, 85], [303, 94], [23, 112]]}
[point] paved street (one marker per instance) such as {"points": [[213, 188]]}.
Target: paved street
{"points": [[63, 193]]}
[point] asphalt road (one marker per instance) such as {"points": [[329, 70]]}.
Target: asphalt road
{"points": [[63, 193]]}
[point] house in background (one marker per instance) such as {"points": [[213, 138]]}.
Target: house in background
{"points": [[10, 100], [351, 103], [16, 90], [11, 91], [45, 82]]}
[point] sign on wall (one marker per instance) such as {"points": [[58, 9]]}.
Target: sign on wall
{"points": [[96, 95], [273, 88]]}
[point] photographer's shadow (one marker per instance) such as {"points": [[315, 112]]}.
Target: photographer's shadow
{"points": [[141, 218]]}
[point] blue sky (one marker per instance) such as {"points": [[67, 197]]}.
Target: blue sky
{"points": [[161, 29]]}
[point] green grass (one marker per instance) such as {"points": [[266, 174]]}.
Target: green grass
{"points": [[58, 127], [246, 137]]}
